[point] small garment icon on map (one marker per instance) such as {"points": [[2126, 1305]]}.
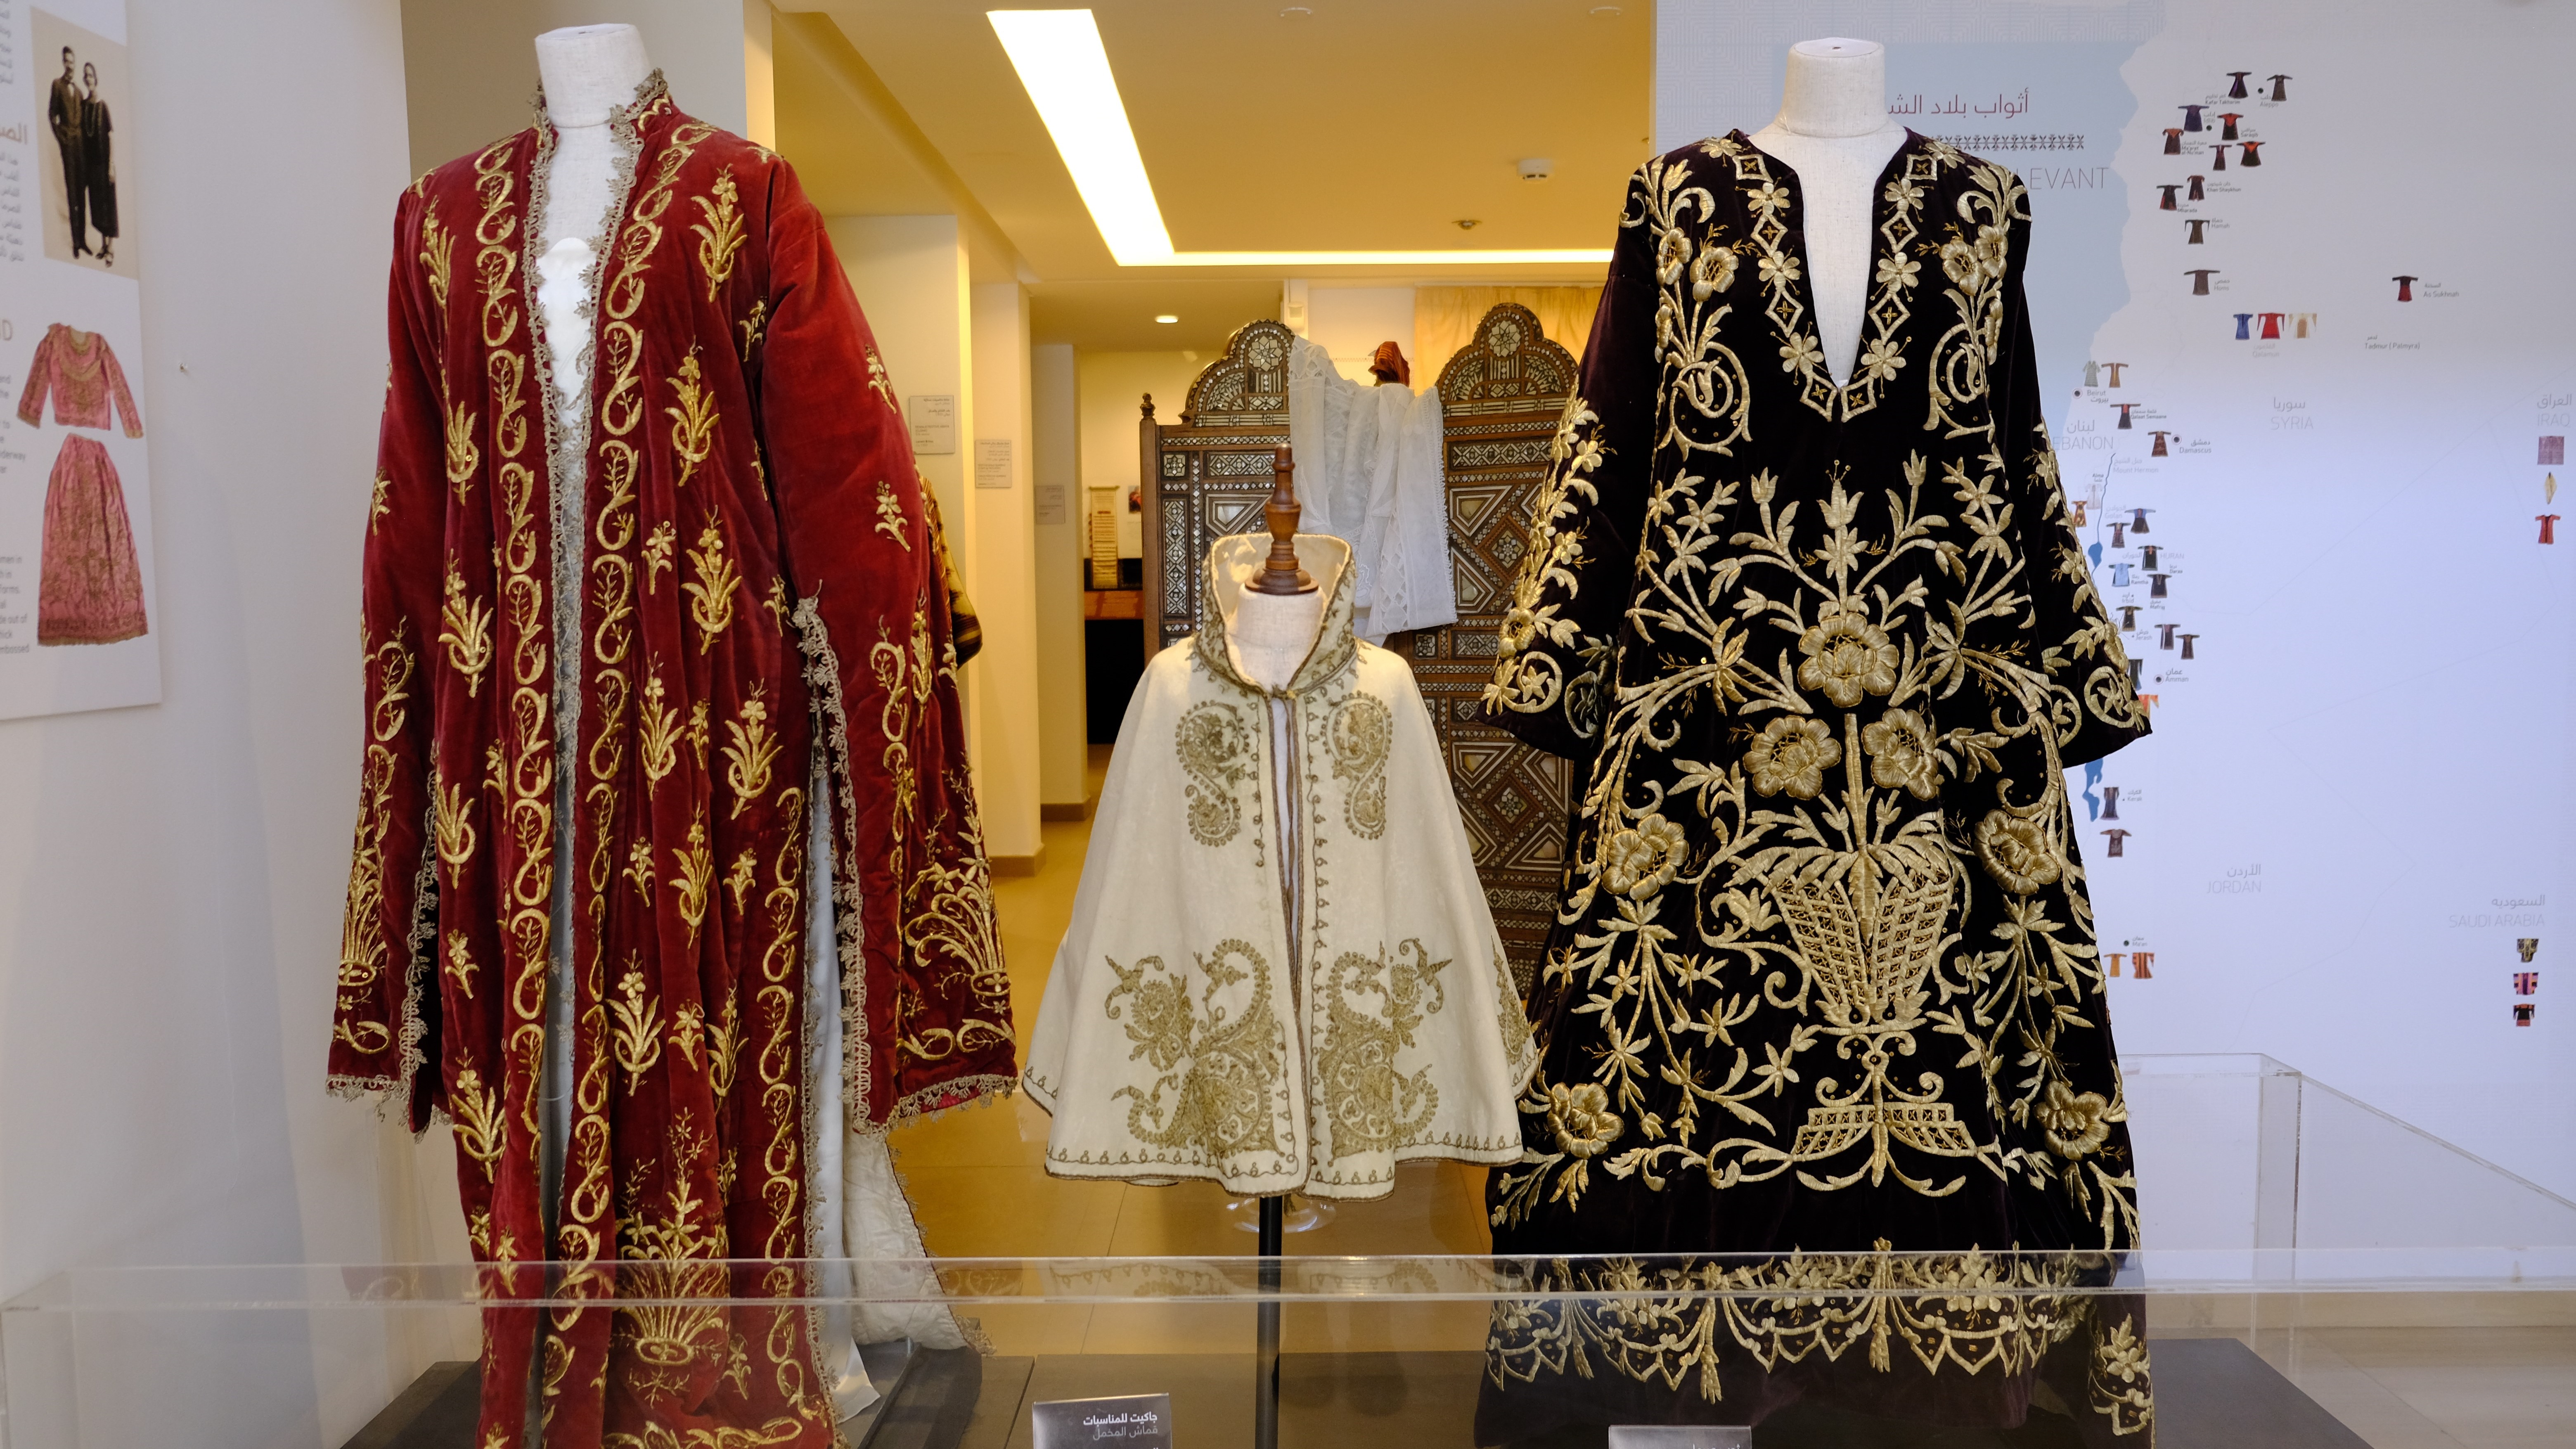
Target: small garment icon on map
{"points": [[2227, 121], [2186, 644], [2119, 841], [2158, 451], [2553, 450], [2236, 92], [2195, 189], [2548, 526], [2526, 983], [2522, 1015], [2200, 279], [2529, 946], [2405, 286]]}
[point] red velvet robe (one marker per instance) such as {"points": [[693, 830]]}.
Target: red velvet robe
{"points": [[757, 575]]}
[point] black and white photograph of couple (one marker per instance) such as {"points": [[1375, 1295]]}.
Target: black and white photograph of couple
{"points": [[79, 130]]}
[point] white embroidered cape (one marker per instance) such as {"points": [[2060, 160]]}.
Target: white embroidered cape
{"points": [[1209, 1016]]}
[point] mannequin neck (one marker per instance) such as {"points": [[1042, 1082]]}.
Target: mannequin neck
{"points": [[1273, 633], [590, 72], [1835, 88]]}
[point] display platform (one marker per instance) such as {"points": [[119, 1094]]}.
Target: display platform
{"points": [[2325, 1275]]}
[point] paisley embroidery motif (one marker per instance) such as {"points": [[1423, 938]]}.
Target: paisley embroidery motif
{"points": [[1215, 749]]}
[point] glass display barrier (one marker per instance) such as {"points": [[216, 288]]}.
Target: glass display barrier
{"points": [[2325, 1276]]}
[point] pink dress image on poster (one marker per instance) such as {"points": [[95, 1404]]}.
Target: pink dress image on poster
{"points": [[91, 584]]}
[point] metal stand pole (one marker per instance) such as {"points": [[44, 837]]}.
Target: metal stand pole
{"points": [[1265, 1389]]}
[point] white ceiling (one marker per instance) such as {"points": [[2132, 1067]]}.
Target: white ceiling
{"points": [[1366, 124]]}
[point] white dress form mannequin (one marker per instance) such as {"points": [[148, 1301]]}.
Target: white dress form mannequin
{"points": [[1834, 132], [1273, 634], [590, 73]]}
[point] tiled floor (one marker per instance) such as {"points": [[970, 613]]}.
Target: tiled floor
{"points": [[979, 1182]]}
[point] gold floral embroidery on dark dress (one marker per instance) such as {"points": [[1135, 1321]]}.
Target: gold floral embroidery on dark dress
{"points": [[1823, 976]]}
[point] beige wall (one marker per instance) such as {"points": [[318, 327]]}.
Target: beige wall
{"points": [[469, 66], [1111, 386], [1349, 323], [1055, 455]]}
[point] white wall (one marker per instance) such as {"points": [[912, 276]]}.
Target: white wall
{"points": [[1056, 456], [171, 876]]}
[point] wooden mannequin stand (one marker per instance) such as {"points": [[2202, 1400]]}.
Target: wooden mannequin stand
{"points": [[1280, 573]]}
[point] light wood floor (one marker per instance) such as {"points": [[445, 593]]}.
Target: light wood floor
{"points": [[979, 1184]]}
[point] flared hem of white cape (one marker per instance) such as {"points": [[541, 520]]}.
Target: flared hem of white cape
{"points": [[1166, 1174]]}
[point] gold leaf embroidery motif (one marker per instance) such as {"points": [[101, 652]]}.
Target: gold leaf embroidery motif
{"points": [[381, 506], [753, 748], [658, 550], [890, 520], [696, 863], [658, 732], [689, 1031], [638, 1035], [477, 1113], [720, 235], [466, 631], [693, 420], [639, 868], [711, 592], [744, 875], [462, 456], [455, 811], [437, 246], [460, 967]]}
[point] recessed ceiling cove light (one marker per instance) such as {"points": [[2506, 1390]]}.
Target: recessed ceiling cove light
{"points": [[1167, 319], [1065, 69]]}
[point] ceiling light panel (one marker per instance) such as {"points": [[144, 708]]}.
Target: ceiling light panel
{"points": [[1065, 69], [1066, 73]]}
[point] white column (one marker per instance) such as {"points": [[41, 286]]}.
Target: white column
{"points": [[1056, 469], [999, 551]]}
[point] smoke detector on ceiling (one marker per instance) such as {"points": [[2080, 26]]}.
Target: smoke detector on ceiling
{"points": [[1537, 168]]}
